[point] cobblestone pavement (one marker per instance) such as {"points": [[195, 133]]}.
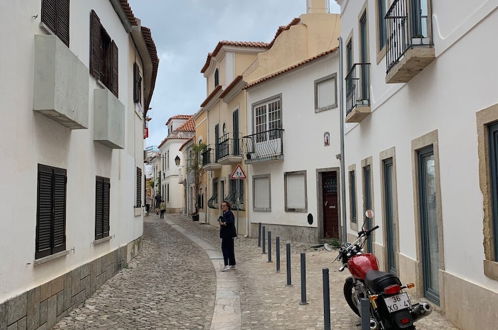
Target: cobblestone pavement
{"points": [[170, 285], [266, 301]]}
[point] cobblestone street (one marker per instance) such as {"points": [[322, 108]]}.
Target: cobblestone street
{"points": [[171, 285]]}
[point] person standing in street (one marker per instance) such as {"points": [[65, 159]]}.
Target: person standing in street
{"points": [[158, 199], [227, 234], [162, 208]]}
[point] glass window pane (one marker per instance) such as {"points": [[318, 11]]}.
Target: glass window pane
{"points": [[296, 191], [326, 93]]}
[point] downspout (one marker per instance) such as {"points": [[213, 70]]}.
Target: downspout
{"points": [[344, 236]]}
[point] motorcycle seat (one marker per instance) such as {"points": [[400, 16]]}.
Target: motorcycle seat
{"points": [[377, 281]]}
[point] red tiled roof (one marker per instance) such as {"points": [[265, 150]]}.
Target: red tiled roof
{"points": [[151, 47], [290, 68], [283, 28], [189, 126], [231, 86], [210, 96], [178, 117], [187, 142], [250, 44]]}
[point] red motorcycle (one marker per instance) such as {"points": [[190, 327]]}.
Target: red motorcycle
{"points": [[390, 305]]}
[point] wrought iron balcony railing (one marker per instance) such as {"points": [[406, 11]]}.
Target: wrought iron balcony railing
{"points": [[208, 156], [267, 145], [407, 26], [228, 146], [358, 86]]}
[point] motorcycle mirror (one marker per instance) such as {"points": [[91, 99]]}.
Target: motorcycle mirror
{"points": [[328, 247], [369, 214]]}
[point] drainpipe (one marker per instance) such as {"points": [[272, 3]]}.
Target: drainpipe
{"points": [[344, 236]]}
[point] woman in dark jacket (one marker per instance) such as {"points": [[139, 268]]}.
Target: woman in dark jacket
{"points": [[227, 233]]}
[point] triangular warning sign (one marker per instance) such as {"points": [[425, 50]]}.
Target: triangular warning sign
{"points": [[238, 174]]}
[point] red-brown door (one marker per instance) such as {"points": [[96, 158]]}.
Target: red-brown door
{"points": [[330, 206]]}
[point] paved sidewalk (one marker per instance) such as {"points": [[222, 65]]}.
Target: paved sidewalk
{"points": [[267, 303], [170, 285]]}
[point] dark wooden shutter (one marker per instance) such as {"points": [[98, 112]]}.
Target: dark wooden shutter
{"points": [[105, 204], [49, 14], [96, 53], [139, 188], [59, 211], [62, 21], [136, 77], [44, 213], [114, 78], [99, 190]]}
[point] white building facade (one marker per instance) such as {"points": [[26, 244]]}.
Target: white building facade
{"points": [[294, 174], [420, 146], [180, 129], [79, 75]]}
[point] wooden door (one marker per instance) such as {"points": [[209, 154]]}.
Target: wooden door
{"points": [[330, 205]]}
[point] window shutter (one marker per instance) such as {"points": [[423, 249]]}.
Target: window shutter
{"points": [[44, 212], [62, 20], [139, 188], [99, 189], [114, 69], [59, 211], [96, 53], [49, 14], [105, 203], [136, 77]]}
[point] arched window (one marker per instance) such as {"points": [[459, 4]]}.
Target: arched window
{"points": [[216, 78]]}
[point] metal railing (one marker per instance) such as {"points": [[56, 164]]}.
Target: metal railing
{"points": [[265, 145], [407, 26], [207, 156], [228, 146], [358, 86], [213, 202]]}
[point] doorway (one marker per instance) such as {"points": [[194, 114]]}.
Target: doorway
{"points": [[329, 204]]}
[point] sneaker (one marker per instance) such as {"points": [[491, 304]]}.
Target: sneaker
{"points": [[226, 269], [233, 267]]}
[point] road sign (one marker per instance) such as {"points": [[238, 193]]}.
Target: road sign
{"points": [[238, 174]]}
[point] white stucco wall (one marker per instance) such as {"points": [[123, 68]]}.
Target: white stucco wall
{"points": [[29, 139], [302, 139], [445, 96]]}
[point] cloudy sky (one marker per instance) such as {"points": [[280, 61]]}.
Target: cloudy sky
{"points": [[185, 31]]}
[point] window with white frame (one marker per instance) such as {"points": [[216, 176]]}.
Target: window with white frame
{"points": [[261, 193], [326, 93], [295, 192], [268, 117]]}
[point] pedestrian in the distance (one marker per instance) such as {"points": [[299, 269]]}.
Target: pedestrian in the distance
{"points": [[227, 234], [162, 208], [158, 199], [148, 203]]}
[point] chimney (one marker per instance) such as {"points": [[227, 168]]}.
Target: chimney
{"points": [[317, 7]]}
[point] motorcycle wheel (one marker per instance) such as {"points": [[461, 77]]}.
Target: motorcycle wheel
{"points": [[348, 295]]}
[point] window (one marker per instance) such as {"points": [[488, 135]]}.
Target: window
{"points": [[268, 117], [167, 192], [213, 201], [352, 197], [216, 78], [381, 13], [137, 84], [261, 193], [102, 200], [233, 191], [51, 211], [55, 16], [138, 201], [326, 93], [493, 170], [349, 55], [295, 192], [103, 55], [167, 160]]}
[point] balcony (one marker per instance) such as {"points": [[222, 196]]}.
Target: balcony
{"points": [[264, 146], [229, 150], [109, 127], [409, 46], [61, 83], [358, 93], [209, 160]]}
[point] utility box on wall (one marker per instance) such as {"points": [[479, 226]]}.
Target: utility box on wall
{"points": [[60, 83]]}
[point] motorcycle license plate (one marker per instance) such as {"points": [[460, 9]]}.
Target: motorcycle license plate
{"points": [[397, 302]]}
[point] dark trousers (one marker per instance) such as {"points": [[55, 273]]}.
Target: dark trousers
{"points": [[162, 214], [228, 250]]}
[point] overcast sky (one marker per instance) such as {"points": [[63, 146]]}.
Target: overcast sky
{"points": [[185, 31]]}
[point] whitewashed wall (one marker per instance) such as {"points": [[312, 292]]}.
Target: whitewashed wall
{"points": [[303, 139], [176, 190], [29, 139]]}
